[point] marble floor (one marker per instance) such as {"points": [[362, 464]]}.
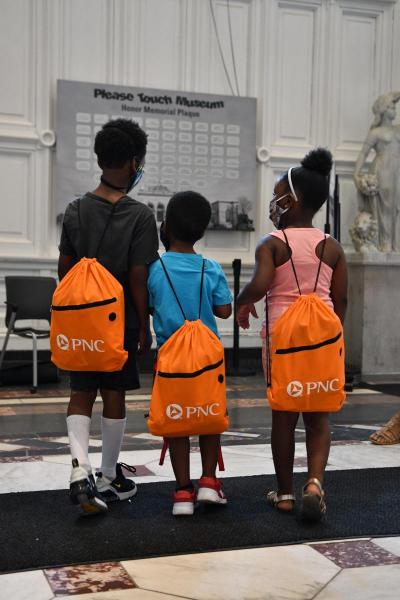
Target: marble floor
{"points": [[34, 456]]}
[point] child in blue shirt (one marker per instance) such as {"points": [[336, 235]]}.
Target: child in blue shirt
{"points": [[187, 218]]}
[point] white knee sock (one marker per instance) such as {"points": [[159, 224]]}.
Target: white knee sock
{"points": [[78, 432], [112, 435]]}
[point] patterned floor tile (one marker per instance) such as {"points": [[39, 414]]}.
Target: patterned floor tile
{"points": [[346, 443], [237, 575], [85, 579], [391, 544], [30, 585], [9, 459], [141, 471], [134, 406], [6, 411], [359, 553], [301, 462], [64, 441], [4, 447], [35, 443], [21, 392], [134, 594], [368, 583]]}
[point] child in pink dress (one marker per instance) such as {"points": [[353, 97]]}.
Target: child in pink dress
{"points": [[298, 195]]}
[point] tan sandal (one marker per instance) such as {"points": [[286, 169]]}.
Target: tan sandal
{"points": [[389, 434], [274, 499], [313, 506]]}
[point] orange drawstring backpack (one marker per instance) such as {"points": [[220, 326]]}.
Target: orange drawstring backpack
{"points": [[88, 317], [305, 366], [189, 391]]}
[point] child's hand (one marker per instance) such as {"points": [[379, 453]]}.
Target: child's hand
{"points": [[145, 340], [242, 315]]}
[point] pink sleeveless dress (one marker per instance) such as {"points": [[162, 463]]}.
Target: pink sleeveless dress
{"points": [[284, 291]]}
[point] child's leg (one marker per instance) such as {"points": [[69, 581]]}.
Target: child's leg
{"points": [[318, 442], [111, 481], [82, 487], [209, 448], [78, 424], [179, 450], [81, 403], [112, 389], [210, 489], [282, 444], [113, 424]]}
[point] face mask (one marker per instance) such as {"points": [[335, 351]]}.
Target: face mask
{"points": [[275, 211], [136, 177]]}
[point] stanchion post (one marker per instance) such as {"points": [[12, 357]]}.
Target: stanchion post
{"points": [[237, 267], [235, 370], [337, 231]]}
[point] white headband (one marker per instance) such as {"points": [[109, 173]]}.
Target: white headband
{"points": [[291, 184]]}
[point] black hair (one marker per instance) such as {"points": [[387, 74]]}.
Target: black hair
{"points": [[311, 179], [187, 217], [119, 141]]}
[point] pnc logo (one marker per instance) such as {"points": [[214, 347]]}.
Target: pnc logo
{"points": [[79, 344], [62, 342], [295, 389], [174, 411]]}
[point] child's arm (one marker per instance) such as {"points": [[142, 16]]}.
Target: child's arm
{"points": [[221, 296], [143, 251], [65, 264], [223, 311], [339, 286], [260, 282], [67, 258], [140, 297]]}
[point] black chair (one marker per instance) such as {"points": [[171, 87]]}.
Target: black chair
{"points": [[28, 298]]}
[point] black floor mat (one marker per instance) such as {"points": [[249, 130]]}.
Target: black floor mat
{"points": [[41, 529]]}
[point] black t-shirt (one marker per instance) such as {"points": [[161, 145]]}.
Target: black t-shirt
{"points": [[130, 239]]}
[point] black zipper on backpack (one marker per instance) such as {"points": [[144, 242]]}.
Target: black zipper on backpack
{"points": [[189, 375], [82, 306], [311, 347]]}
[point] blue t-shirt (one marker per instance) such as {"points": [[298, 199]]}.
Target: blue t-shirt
{"points": [[185, 273]]}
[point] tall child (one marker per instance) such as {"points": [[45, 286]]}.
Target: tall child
{"points": [[298, 195], [187, 217], [122, 234]]}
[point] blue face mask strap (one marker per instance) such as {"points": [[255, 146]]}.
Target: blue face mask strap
{"points": [[135, 179], [138, 175]]}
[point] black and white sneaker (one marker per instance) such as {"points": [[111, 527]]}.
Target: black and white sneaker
{"points": [[82, 490], [120, 488]]}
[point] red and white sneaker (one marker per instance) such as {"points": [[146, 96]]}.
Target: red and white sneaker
{"points": [[184, 503], [210, 491]]}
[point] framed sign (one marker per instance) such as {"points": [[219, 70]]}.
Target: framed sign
{"points": [[199, 142]]}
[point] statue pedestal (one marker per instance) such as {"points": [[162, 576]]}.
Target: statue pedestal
{"points": [[372, 326]]}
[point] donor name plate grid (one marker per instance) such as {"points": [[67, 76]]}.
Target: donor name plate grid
{"points": [[200, 142], [180, 154]]}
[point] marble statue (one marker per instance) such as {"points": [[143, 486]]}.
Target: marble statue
{"points": [[364, 232], [377, 226]]}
